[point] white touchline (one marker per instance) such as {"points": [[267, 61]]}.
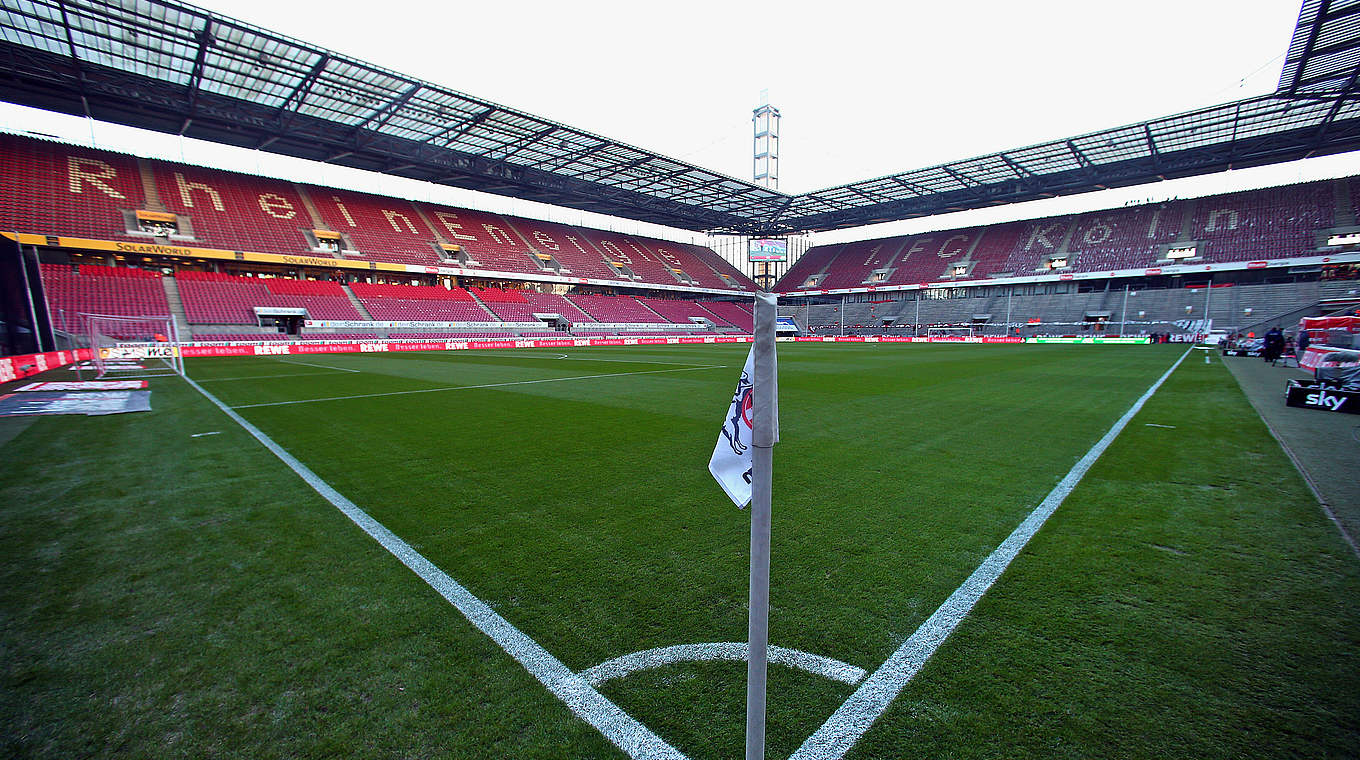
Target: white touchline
{"points": [[620, 728], [321, 366], [627, 361], [854, 717], [475, 354], [265, 377], [471, 387], [520, 355], [734, 651]]}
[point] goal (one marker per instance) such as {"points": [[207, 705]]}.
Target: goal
{"points": [[949, 333], [145, 346]]}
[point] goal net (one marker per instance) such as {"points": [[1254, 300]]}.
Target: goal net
{"points": [[949, 333], [143, 346]]}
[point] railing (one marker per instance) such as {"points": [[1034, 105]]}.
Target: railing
{"points": [[1284, 319]]}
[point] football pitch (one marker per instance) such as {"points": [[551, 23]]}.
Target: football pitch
{"points": [[521, 554]]}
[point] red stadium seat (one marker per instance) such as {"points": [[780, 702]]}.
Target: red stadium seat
{"points": [[78, 192]]}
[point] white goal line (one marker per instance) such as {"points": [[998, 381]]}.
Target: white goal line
{"points": [[472, 387]]}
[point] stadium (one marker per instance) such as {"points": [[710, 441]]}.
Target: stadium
{"points": [[389, 438]]}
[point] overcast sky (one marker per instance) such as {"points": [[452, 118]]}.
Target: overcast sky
{"points": [[865, 89]]}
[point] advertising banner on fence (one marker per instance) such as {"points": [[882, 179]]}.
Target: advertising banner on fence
{"points": [[409, 325], [19, 367], [285, 349], [904, 339], [1311, 394], [139, 351], [1131, 340], [1314, 357], [633, 326], [24, 365]]}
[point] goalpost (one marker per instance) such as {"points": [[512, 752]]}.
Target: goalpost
{"points": [[148, 346], [949, 333]]}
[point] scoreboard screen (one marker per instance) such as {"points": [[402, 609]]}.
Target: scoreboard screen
{"points": [[768, 250]]}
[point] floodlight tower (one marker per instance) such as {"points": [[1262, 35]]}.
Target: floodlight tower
{"points": [[765, 119]]}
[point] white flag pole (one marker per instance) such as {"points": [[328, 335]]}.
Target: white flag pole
{"points": [[764, 434]]}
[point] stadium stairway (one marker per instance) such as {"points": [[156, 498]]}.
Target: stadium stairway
{"points": [[1288, 320], [149, 189], [358, 305], [654, 311], [490, 315], [176, 307], [798, 315]]}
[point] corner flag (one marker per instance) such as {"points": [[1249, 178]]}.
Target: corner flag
{"points": [[743, 464], [731, 460]]}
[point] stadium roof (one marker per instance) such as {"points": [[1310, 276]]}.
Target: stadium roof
{"points": [[171, 67]]}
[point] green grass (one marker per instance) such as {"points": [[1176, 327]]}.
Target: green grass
{"points": [[163, 595]]}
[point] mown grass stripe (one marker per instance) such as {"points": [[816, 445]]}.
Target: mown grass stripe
{"points": [[472, 387], [621, 729], [318, 366], [266, 377], [857, 714]]}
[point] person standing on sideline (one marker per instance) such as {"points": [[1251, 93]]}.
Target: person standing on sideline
{"points": [[1274, 345]]}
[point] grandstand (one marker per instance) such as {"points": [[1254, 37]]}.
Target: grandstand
{"points": [[517, 403], [682, 311], [551, 303], [213, 298], [122, 210], [606, 309], [1072, 270], [102, 196], [420, 302], [220, 239], [1293, 225], [509, 305]]}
